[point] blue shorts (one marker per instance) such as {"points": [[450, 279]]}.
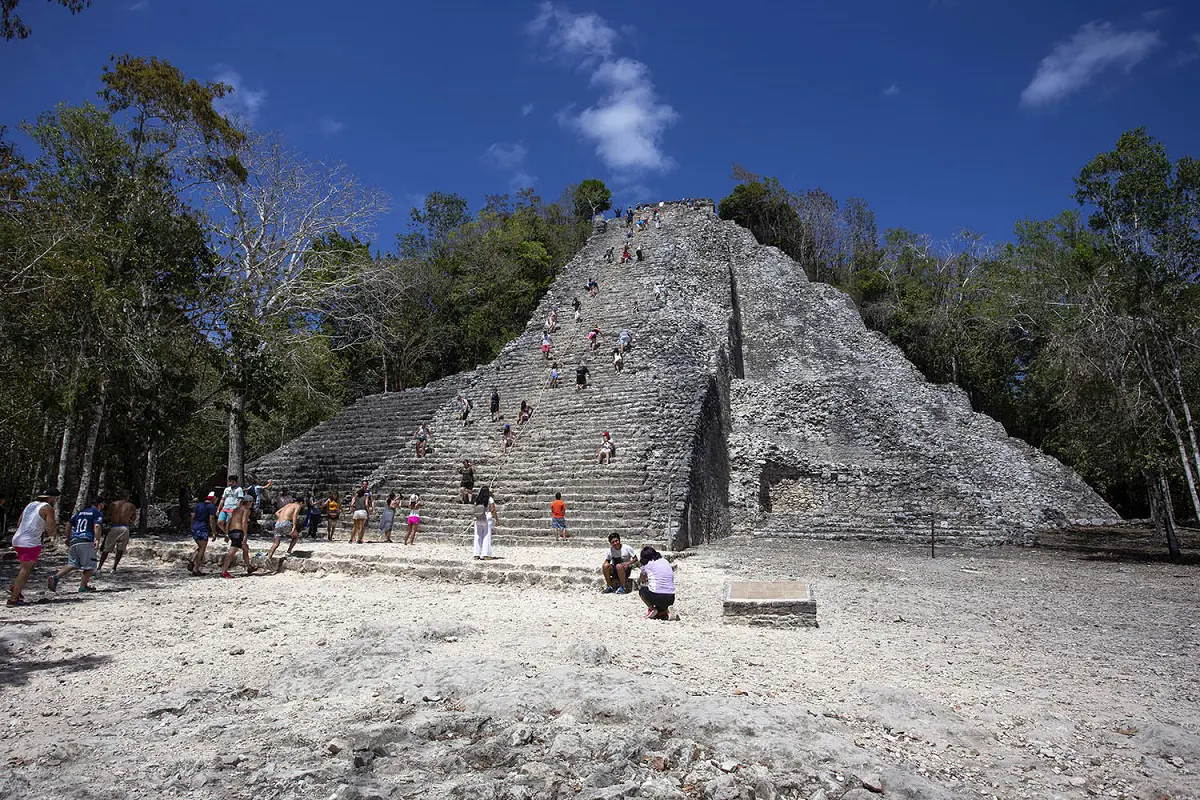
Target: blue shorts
{"points": [[558, 523], [200, 536], [223, 516]]}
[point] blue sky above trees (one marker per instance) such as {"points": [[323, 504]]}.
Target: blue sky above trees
{"points": [[943, 114]]}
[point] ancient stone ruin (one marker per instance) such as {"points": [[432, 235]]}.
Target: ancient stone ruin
{"points": [[751, 401]]}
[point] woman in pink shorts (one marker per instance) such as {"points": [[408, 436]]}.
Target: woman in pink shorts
{"points": [[37, 517], [414, 519]]}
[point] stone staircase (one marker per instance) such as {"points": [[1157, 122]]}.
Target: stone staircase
{"points": [[650, 410]]}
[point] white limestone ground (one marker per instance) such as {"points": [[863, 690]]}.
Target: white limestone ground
{"points": [[1006, 673]]}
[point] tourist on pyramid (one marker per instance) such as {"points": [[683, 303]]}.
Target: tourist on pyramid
{"points": [[558, 517], [581, 376], [387, 519], [546, 345], [494, 404], [638, 252], [552, 320], [576, 305], [618, 565], [624, 338], [625, 254], [36, 519], [525, 413], [554, 376], [618, 359], [657, 584], [507, 438], [593, 288], [84, 531], [486, 520], [332, 510], [466, 482], [578, 316], [594, 337], [606, 451], [204, 523], [464, 407], [414, 519], [608, 255], [421, 440], [236, 527], [230, 499], [360, 511], [287, 523]]}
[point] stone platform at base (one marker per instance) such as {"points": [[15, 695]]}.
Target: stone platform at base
{"points": [[777, 604]]}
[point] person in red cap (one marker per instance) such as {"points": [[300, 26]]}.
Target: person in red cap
{"points": [[204, 522], [607, 449]]}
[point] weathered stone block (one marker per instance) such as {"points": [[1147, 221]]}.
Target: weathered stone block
{"points": [[777, 604]]}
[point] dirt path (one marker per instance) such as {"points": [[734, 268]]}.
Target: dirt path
{"points": [[1006, 673]]}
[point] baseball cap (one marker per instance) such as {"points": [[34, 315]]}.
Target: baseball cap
{"points": [[49, 493], [212, 496]]}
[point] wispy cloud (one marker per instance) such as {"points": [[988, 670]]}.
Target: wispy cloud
{"points": [[526, 109], [891, 91], [627, 122], [243, 101], [1155, 15], [1078, 61], [1190, 54], [509, 157], [328, 126], [139, 5]]}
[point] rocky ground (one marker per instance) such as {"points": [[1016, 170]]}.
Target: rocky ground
{"points": [[982, 673]]}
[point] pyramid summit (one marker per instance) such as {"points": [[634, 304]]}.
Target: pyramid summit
{"points": [[749, 400]]}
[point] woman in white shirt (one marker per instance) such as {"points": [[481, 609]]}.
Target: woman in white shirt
{"points": [[658, 584]]}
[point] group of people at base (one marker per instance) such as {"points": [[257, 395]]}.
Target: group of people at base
{"points": [[656, 579], [87, 528]]}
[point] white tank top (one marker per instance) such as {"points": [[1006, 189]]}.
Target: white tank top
{"points": [[32, 526]]}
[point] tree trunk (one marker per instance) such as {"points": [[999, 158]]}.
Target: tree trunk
{"points": [[1189, 424], [1173, 424], [102, 481], [1163, 513], [383, 354], [237, 438], [64, 461], [151, 474], [89, 453]]}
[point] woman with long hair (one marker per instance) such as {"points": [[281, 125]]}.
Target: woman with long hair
{"points": [[657, 584], [486, 521], [388, 518]]}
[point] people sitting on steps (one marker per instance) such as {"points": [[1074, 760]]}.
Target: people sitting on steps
{"points": [[657, 584], [618, 565], [606, 451], [593, 288], [525, 413], [508, 438]]}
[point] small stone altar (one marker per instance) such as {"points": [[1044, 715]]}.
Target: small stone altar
{"points": [[777, 604]]}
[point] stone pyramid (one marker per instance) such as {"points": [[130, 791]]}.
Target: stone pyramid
{"points": [[751, 401]]}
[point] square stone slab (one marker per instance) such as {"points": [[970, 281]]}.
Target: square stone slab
{"points": [[779, 604]]}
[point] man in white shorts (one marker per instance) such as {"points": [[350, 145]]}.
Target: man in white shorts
{"points": [[121, 515]]}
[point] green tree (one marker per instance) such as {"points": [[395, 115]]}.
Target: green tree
{"points": [[11, 25], [590, 197]]}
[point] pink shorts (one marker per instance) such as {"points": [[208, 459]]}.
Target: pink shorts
{"points": [[28, 555], [414, 519]]}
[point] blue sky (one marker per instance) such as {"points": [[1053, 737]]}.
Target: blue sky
{"points": [[942, 114]]}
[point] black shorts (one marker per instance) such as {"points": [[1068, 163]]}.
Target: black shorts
{"points": [[236, 538], [660, 602]]}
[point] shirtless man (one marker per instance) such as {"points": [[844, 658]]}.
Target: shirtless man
{"points": [[121, 515], [235, 527], [286, 524]]}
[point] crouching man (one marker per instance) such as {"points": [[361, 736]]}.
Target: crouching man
{"points": [[618, 565]]}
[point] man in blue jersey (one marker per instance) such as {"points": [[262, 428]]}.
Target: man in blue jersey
{"points": [[84, 532], [204, 523]]}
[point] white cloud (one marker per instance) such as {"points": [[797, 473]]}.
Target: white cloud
{"points": [[139, 5], [504, 155], [1075, 63], [509, 157], [626, 124], [891, 91], [328, 126], [526, 109], [243, 101], [1155, 15], [1188, 56]]}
